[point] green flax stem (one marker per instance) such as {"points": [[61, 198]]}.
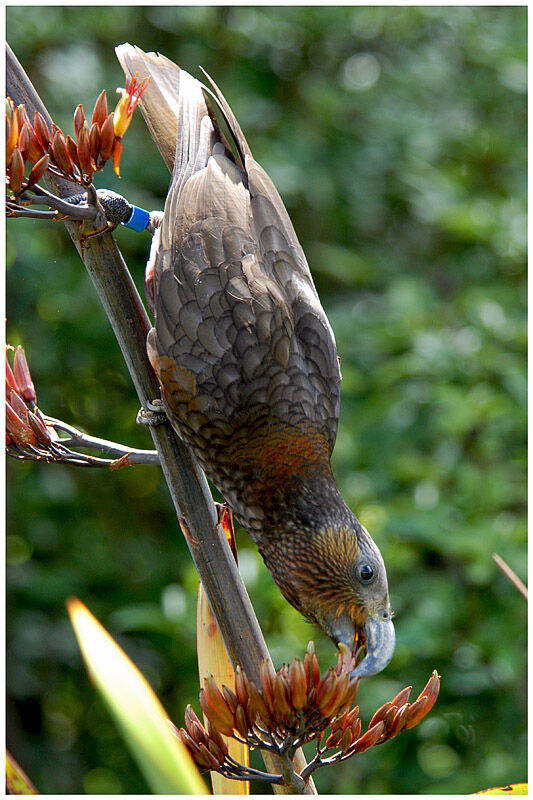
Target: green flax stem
{"points": [[186, 482]]}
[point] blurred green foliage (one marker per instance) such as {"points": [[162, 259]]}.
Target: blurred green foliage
{"points": [[396, 136]]}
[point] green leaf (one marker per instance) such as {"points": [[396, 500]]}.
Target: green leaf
{"points": [[139, 715]]}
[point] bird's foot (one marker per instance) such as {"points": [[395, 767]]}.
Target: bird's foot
{"points": [[152, 413], [119, 211]]}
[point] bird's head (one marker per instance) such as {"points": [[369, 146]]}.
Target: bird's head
{"points": [[338, 580]]}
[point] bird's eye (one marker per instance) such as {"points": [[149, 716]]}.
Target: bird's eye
{"points": [[366, 573]]}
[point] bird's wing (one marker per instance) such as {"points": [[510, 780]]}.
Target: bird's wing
{"points": [[239, 327]]}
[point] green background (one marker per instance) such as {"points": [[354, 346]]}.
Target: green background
{"points": [[397, 139]]}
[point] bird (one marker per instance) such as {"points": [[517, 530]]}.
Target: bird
{"points": [[247, 361]]}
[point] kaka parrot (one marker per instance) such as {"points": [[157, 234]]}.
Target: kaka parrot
{"points": [[247, 361]]}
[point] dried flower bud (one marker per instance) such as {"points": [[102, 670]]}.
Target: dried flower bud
{"points": [[79, 120], [215, 737], [380, 714], [240, 688], [370, 738], [38, 170], [298, 684], [398, 723], [402, 697], [100, 109], [334, 738], [72, 148], [39, 429], [21, 433], [41, 131], [355, 727], [311, 666], [230, 698], [84, 151], [257, 705], [268, 675], [241, 721], [215, 708], [207, 759], [346, 740], [16, 171], [35, 151], [94, 142], [17, 404], [282, 706], [10, 378], [424, 702], [22, 375], [24, 141], [61, 156], [107, 138]]}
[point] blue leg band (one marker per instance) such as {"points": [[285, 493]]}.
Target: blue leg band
{"points": [[139, 219]]}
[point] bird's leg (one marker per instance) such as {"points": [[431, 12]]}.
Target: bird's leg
{"points": [[119, 211], [152, 413]]}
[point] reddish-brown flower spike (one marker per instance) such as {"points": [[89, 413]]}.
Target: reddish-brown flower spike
{"points": [[38, 170], [216, 737], [334, 739], [380, 714], [107, 138], [21, 433], [311, 666], [39, 428], [241, 721], [389, 716], [346, 740], [24, 141], [35, 151], [94, 141], [10, 378], [186, 739], [282, 705], [16, 171], [355, 726], [18, 405], [230, 698], [72, 148], [215, 708], [398, 723], [298, 684], [61, 156], [41, 131], [84, 151], [79, 120], [257, 705], [240, 687], [369, 738], [268, 675], [326, 687], [332, 704], [100, 109], [22, 375], [424, 702], [402, 697], [22, 116]]}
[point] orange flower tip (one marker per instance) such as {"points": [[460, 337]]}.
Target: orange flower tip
{"points": [[126, 105]]}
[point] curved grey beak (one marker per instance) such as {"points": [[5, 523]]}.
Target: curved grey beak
{"points": [[380, 643], [380, 640]]}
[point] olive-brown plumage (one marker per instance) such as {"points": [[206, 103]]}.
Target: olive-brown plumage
{"points": [[247, 360]]}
